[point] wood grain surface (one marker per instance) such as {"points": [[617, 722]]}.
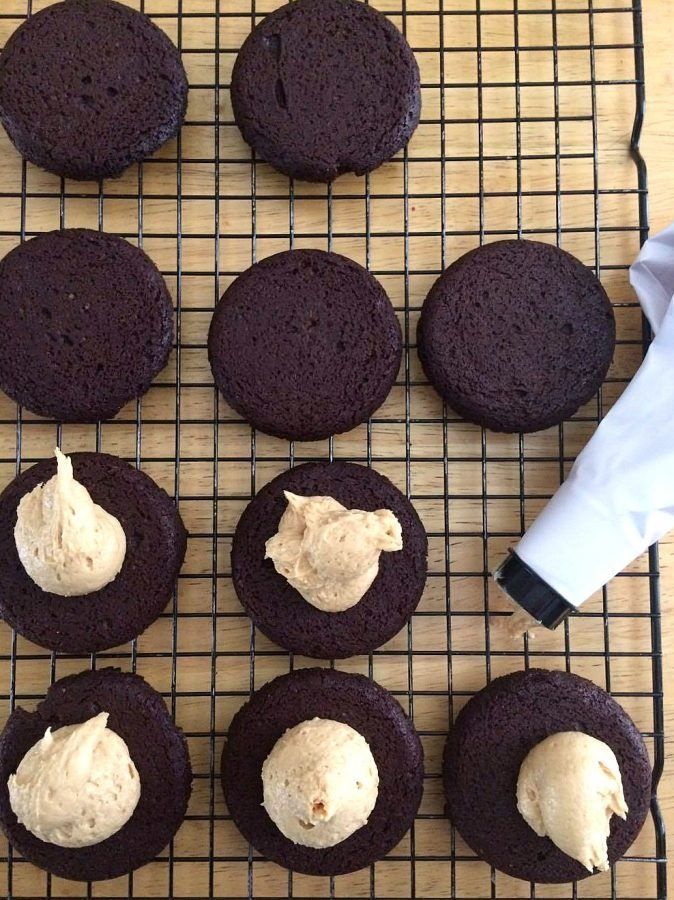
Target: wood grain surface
{"points": [[658, 146], [498, 179]]}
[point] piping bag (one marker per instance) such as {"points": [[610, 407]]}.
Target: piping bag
{"points": [[619, 496]]}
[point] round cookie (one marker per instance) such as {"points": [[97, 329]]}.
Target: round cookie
{"points": [[88, 87], [280, 611], [493, 734], [305, 344], [157, 747], [516, 335], [86, 322], [323, 87], [328, 694], [156, 541]]}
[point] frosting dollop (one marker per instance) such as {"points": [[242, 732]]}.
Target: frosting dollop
{"points": [[76, 786], [67, 544], [328, 553], [568, 788], [320, 783]]}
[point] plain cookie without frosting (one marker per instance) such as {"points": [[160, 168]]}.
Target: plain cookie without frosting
{"points": [[323, 87], [516, 335], [88, 87], [305, 344], [86, 323]]}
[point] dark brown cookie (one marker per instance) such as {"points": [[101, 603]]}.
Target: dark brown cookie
{"points": [[279, 611], [326, 694], [155, 548], [305, 344], [323, 87], [158, 750], [516, 335], [88, 87], [492, 736], [86, 323]]}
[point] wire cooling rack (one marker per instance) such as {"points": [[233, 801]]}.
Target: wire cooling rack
{"points": [[528, 110]]}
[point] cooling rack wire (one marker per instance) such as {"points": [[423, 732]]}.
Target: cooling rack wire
{"points": [[528, 111]]}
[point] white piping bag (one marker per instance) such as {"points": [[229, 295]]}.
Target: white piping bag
{"points": [[619, 496]]}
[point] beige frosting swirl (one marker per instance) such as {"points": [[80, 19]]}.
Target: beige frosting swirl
{"points": [[328, 553], [320, 783], [67, 544], [568, 788], [76, 786]]}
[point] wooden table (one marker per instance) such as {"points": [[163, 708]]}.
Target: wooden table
{"points": [[658, 146], [467, 449]]}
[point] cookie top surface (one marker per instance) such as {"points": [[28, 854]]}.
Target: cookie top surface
{"points": [[156, 541], [86, 322], [279, 611], [88, 87], [516, 335], [329, 694], [493, 734], [158, 749], [305, 344], [323, 87]]}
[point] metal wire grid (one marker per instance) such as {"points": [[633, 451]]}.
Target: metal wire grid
{"points": [[449, 650]]}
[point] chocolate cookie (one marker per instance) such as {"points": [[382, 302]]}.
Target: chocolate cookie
{"points": [[88, 87], [305, 344], [86, 322], [158, 749], [327, 694], [323, 87], [516, 335], [155, 548], [279, 611], [493, 734]]}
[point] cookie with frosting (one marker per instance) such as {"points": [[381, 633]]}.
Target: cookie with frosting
{"points": [[547, 778], [322, 771], [329, 559], [90, 550], [95, 782]]}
